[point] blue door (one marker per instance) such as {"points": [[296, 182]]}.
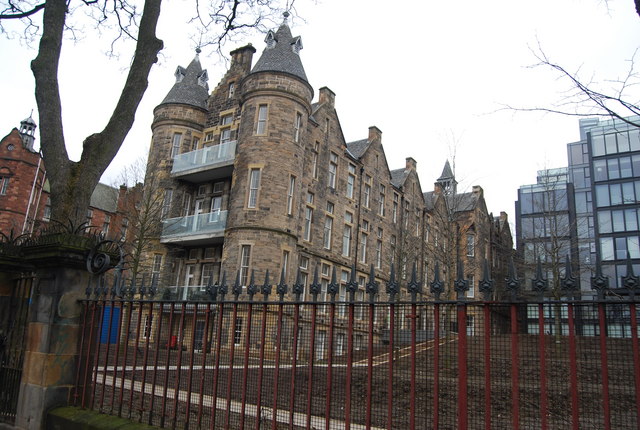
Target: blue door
{"points": [[110, 334]]}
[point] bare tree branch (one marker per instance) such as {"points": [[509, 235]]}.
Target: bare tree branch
{"points": [[582, 99], [73, 182], [19, 13]]}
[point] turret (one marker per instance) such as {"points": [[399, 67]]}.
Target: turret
{"points": [[446, 183], [178, 120], [268, 172], [27, 131]]}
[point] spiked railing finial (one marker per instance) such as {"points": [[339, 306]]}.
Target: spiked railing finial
{"points": [[298, 287], [266, 287], [414, 287], [461, 285], [599, 282], [631, 282], [569, 282], [282, 287], [332, 288], [486, 283], [352, 285], [539, 284], [372, 285], [437, 286], [236, 288], [315, 285]]}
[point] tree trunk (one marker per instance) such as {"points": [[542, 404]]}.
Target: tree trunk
{"points": [[73, 182]]}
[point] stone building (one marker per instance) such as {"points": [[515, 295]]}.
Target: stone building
{"points": [[257, 176]]}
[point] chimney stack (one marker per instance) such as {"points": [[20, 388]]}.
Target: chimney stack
{"points": [[327, 97], [242, 57]]}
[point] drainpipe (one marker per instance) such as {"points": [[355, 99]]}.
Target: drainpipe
{"points": [[33, 186], [358, 208]]}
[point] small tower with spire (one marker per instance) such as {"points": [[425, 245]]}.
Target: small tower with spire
{"points": [[28, 132], [447, 183]]}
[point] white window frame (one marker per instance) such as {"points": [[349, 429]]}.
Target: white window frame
{"points": [[245, 263], [314, 160], [367, 192], [308, 222], [297, 127], [176, 142], [346, 240], [166, 202], [333, 170], [263, 113], [328, 230], [363, 247], [292, 186], [106, 224], [382, 200], [4, 184], [471, 292], [254, 187], [351, 180], [285, 263], [225, 132], [394, 212], [206, 273], [471, 245]]}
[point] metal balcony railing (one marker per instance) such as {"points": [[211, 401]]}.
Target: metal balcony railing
{"points": [[211, 223], [209, 157]]}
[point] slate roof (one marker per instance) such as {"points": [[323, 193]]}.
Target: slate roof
{"points": [[447, 173], [465, 201], [358, 148], [460, 202], [398, 177], [429, 200], [104, 197], [187, 90], [281, 55]]}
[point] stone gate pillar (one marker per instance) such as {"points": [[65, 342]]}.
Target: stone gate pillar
{"points": [[53, 331]]}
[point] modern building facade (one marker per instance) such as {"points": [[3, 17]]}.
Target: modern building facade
{"points": [[611, 150], [546, 227], [595, 201]]}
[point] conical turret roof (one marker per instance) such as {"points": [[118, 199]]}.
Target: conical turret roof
{"points": [[282, 54], [191, 86], [447, 173]]}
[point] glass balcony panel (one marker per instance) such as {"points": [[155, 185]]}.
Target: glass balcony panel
{"points": [[206, 223], [210, 156]]}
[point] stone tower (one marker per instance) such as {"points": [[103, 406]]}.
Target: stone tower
{"points": [[177, 123], [276, 106]]}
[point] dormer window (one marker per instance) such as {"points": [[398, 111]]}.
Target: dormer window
{"points": [[296, 45], [180, 74], [203, 78], [271, 40]]}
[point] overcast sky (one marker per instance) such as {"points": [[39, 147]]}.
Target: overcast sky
{"points": [[430, 75]]}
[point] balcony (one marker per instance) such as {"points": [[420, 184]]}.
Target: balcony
{"points": [[206, 164], [204, 228]]}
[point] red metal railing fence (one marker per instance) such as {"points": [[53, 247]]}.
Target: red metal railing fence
{"points": [[253, 359]]}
